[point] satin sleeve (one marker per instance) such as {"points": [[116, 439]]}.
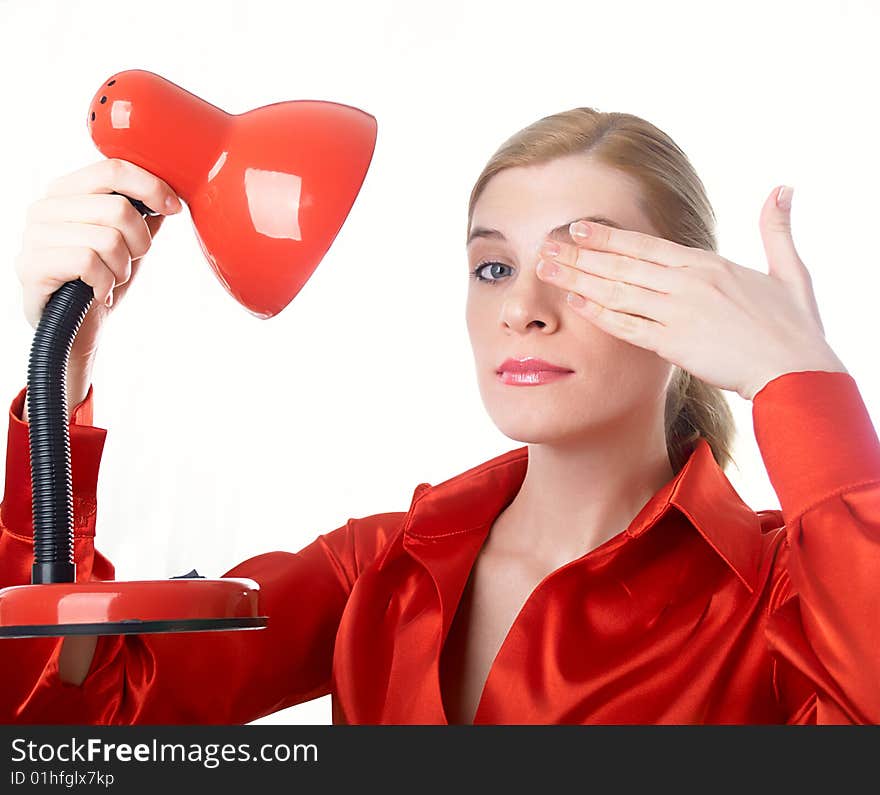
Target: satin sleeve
{"points": [[229, 677], [822, 456]]}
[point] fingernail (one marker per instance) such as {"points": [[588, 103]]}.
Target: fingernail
{"points": [[549, 269], [579, 229], [109, 301], [172, 204], [550, 248], [783, 197]]}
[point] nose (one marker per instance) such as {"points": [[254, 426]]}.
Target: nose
{"points": [[531, 299]]}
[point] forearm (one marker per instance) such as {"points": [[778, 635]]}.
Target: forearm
{"points": [[76, 657]]}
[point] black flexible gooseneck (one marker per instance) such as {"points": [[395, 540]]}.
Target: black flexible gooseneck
{"points": [[48, 425]]}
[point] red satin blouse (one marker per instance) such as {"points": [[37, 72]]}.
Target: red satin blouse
{"points": [[700, 611]]}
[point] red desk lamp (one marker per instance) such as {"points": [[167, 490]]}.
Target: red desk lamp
{"points": [[268, 191]]}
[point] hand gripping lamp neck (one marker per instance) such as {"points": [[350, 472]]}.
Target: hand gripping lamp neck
{"points": [[268, 191]]}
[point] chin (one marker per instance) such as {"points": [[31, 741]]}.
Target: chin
{"points": [[524, 436], [535, 426]]}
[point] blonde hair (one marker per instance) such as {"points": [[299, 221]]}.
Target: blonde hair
{"points": [[674, 200]]}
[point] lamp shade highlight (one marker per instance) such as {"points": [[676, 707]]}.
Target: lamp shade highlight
{"points": [[268, 190]]}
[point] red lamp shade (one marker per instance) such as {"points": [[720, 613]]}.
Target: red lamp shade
{"points": [[268, 190]]}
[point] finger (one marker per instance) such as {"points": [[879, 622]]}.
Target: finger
{"points": [[783, 260], [107, 241], [96, 208], [66, 264], [619, 296], [636, 244], [620, 268], [782, 256], [635, 329], [121, 176]]}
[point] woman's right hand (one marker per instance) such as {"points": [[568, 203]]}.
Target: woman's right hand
{"points": [[80, 230]]}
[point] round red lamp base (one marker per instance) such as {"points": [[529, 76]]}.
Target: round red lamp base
{"points": [[109, 607]]}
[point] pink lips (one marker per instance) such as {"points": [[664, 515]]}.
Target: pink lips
{"points": [[530, 371]]}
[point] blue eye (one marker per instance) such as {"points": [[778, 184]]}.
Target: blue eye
{"points": [[475, 273]]}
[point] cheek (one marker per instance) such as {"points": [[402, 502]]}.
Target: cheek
{"points": [[600, 345], [609, 366], [636, 375], [476, 318]]}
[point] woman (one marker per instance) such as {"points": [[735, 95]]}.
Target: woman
{"points": [[606, 572]]}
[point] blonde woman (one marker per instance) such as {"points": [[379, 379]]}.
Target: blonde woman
{"points": [[603, 572]]}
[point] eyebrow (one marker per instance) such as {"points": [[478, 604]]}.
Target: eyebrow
{"points": [[562, 229]]}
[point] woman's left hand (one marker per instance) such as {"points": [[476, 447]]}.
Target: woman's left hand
{"points": [[730, 326]]}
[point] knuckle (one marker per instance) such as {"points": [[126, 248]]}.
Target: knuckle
{"points": [[122, 210], [677, 280], [142, 243], [119, 204], [114, 165], [616, 292], [90, 262], [713, 273], [115, 242]]}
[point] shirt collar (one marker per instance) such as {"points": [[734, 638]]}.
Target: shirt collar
{"points": [[700, 491]]}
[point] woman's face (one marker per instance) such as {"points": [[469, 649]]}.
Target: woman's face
{"points": [[516, 314]]}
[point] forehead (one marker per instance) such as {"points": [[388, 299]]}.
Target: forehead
{"points": [[526, 202]]}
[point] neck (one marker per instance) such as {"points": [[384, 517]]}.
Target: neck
{"points": [[578, 494]]}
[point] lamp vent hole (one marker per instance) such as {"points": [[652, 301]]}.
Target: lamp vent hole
{"points": [[103, 100], [111, 83], [93, 115]]}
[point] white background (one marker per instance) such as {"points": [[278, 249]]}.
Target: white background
{"points": [[230, 436]]}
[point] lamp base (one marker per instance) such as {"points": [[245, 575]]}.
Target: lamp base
{"points": [[111, 607], [132, 627]]}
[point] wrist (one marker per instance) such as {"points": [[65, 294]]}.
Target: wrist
{"points": [[79, 377], [826, 361]]}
